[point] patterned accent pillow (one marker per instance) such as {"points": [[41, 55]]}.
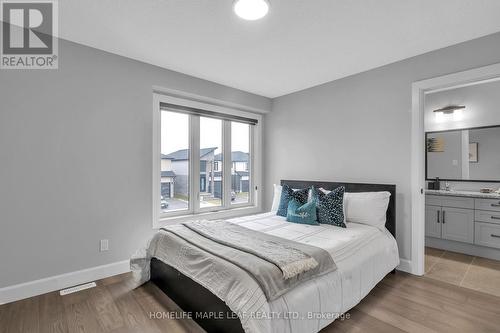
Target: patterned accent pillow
{"points": [[301, 195], [331, 207], [302, 214], [287, 194]]}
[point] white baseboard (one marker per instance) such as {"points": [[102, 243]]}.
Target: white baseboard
{"points": [[57, 282], [404, 265]]}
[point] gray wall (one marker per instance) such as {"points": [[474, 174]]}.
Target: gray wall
{"points": [[76, 159], [358, 128]]}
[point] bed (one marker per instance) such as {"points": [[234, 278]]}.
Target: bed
{"points": [[363, 254]]}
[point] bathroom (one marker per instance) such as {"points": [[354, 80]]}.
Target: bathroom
{"points": [[462, 170]]}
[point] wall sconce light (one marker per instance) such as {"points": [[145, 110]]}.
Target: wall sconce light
{"points": [[450, 109], [456, 111]]}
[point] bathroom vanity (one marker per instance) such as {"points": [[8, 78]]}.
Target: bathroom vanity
{"points": [[463, 221]]}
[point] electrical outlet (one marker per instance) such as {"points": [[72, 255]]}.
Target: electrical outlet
{"points": [[104, 245]]}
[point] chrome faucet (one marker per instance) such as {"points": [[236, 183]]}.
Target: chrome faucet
{"points": [[447, 186]]}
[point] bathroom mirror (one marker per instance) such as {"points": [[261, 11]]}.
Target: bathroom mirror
{"points": [[469, 154]]}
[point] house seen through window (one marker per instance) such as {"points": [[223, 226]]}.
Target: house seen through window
{"points": [[212, 135]]}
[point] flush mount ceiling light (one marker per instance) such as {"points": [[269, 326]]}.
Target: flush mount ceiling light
{"points": [[251, 10], [450, 109]]}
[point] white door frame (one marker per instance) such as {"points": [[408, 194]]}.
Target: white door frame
{"points": [[419, 89]]}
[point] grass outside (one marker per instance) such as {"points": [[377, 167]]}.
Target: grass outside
{"points": [[181, 197]]}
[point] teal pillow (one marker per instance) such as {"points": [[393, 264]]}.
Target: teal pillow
{"points": [[287, 194], [302, 213]]}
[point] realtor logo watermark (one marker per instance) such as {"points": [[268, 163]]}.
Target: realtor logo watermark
{"points": [[28, 34]]}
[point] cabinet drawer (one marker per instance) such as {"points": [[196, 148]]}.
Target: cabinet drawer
{"points": [[457, 202], [488, 204], [487, 234], [487, 216]]}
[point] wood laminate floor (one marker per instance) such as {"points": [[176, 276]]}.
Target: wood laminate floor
{"points": [[400, 303]]}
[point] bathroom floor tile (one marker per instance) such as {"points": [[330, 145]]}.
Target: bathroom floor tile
{"points": [[483, 275], [432, 256], [451, 267]]}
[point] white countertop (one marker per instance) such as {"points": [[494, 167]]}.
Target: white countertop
{"points": [[457, 193]]}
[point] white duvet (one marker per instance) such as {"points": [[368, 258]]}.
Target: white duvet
{"points": [[363, 255]]}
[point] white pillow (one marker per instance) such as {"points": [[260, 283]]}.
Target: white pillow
{"points": [[276, 197], [367, 208]]}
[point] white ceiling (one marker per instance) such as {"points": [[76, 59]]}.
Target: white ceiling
{"points": [[301, 43]]}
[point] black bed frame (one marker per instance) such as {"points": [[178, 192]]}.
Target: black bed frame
{"points": [[197, 300]]}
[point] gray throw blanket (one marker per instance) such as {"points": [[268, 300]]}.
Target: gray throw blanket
{"points": [[283, 253], [276, 264]]}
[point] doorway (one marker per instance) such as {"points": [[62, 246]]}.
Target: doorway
{"points": [[419, 90]]}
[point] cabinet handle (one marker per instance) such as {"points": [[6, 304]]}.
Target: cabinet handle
{"points": [[438, 217], [495, 205], [496, 236], [495, 217], [444, 217]]}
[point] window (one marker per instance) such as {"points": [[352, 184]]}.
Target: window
{"points": [[175, 164], [210, 151], [204, 161], [240, 157]]}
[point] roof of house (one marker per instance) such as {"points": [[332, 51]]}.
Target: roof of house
{"points": [[168, 173], [183, 154], [236, 156]]}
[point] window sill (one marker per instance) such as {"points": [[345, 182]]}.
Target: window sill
{"points": [[228, 213]]}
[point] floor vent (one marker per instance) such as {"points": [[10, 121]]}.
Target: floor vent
{"points": [[77, 288]]}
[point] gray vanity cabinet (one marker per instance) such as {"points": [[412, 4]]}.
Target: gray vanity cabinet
{"points": [[464, 222], [487, 226], [457, 224], [450, 218]]}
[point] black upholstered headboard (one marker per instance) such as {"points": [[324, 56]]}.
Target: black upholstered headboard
{"points": [[390, 223]]}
